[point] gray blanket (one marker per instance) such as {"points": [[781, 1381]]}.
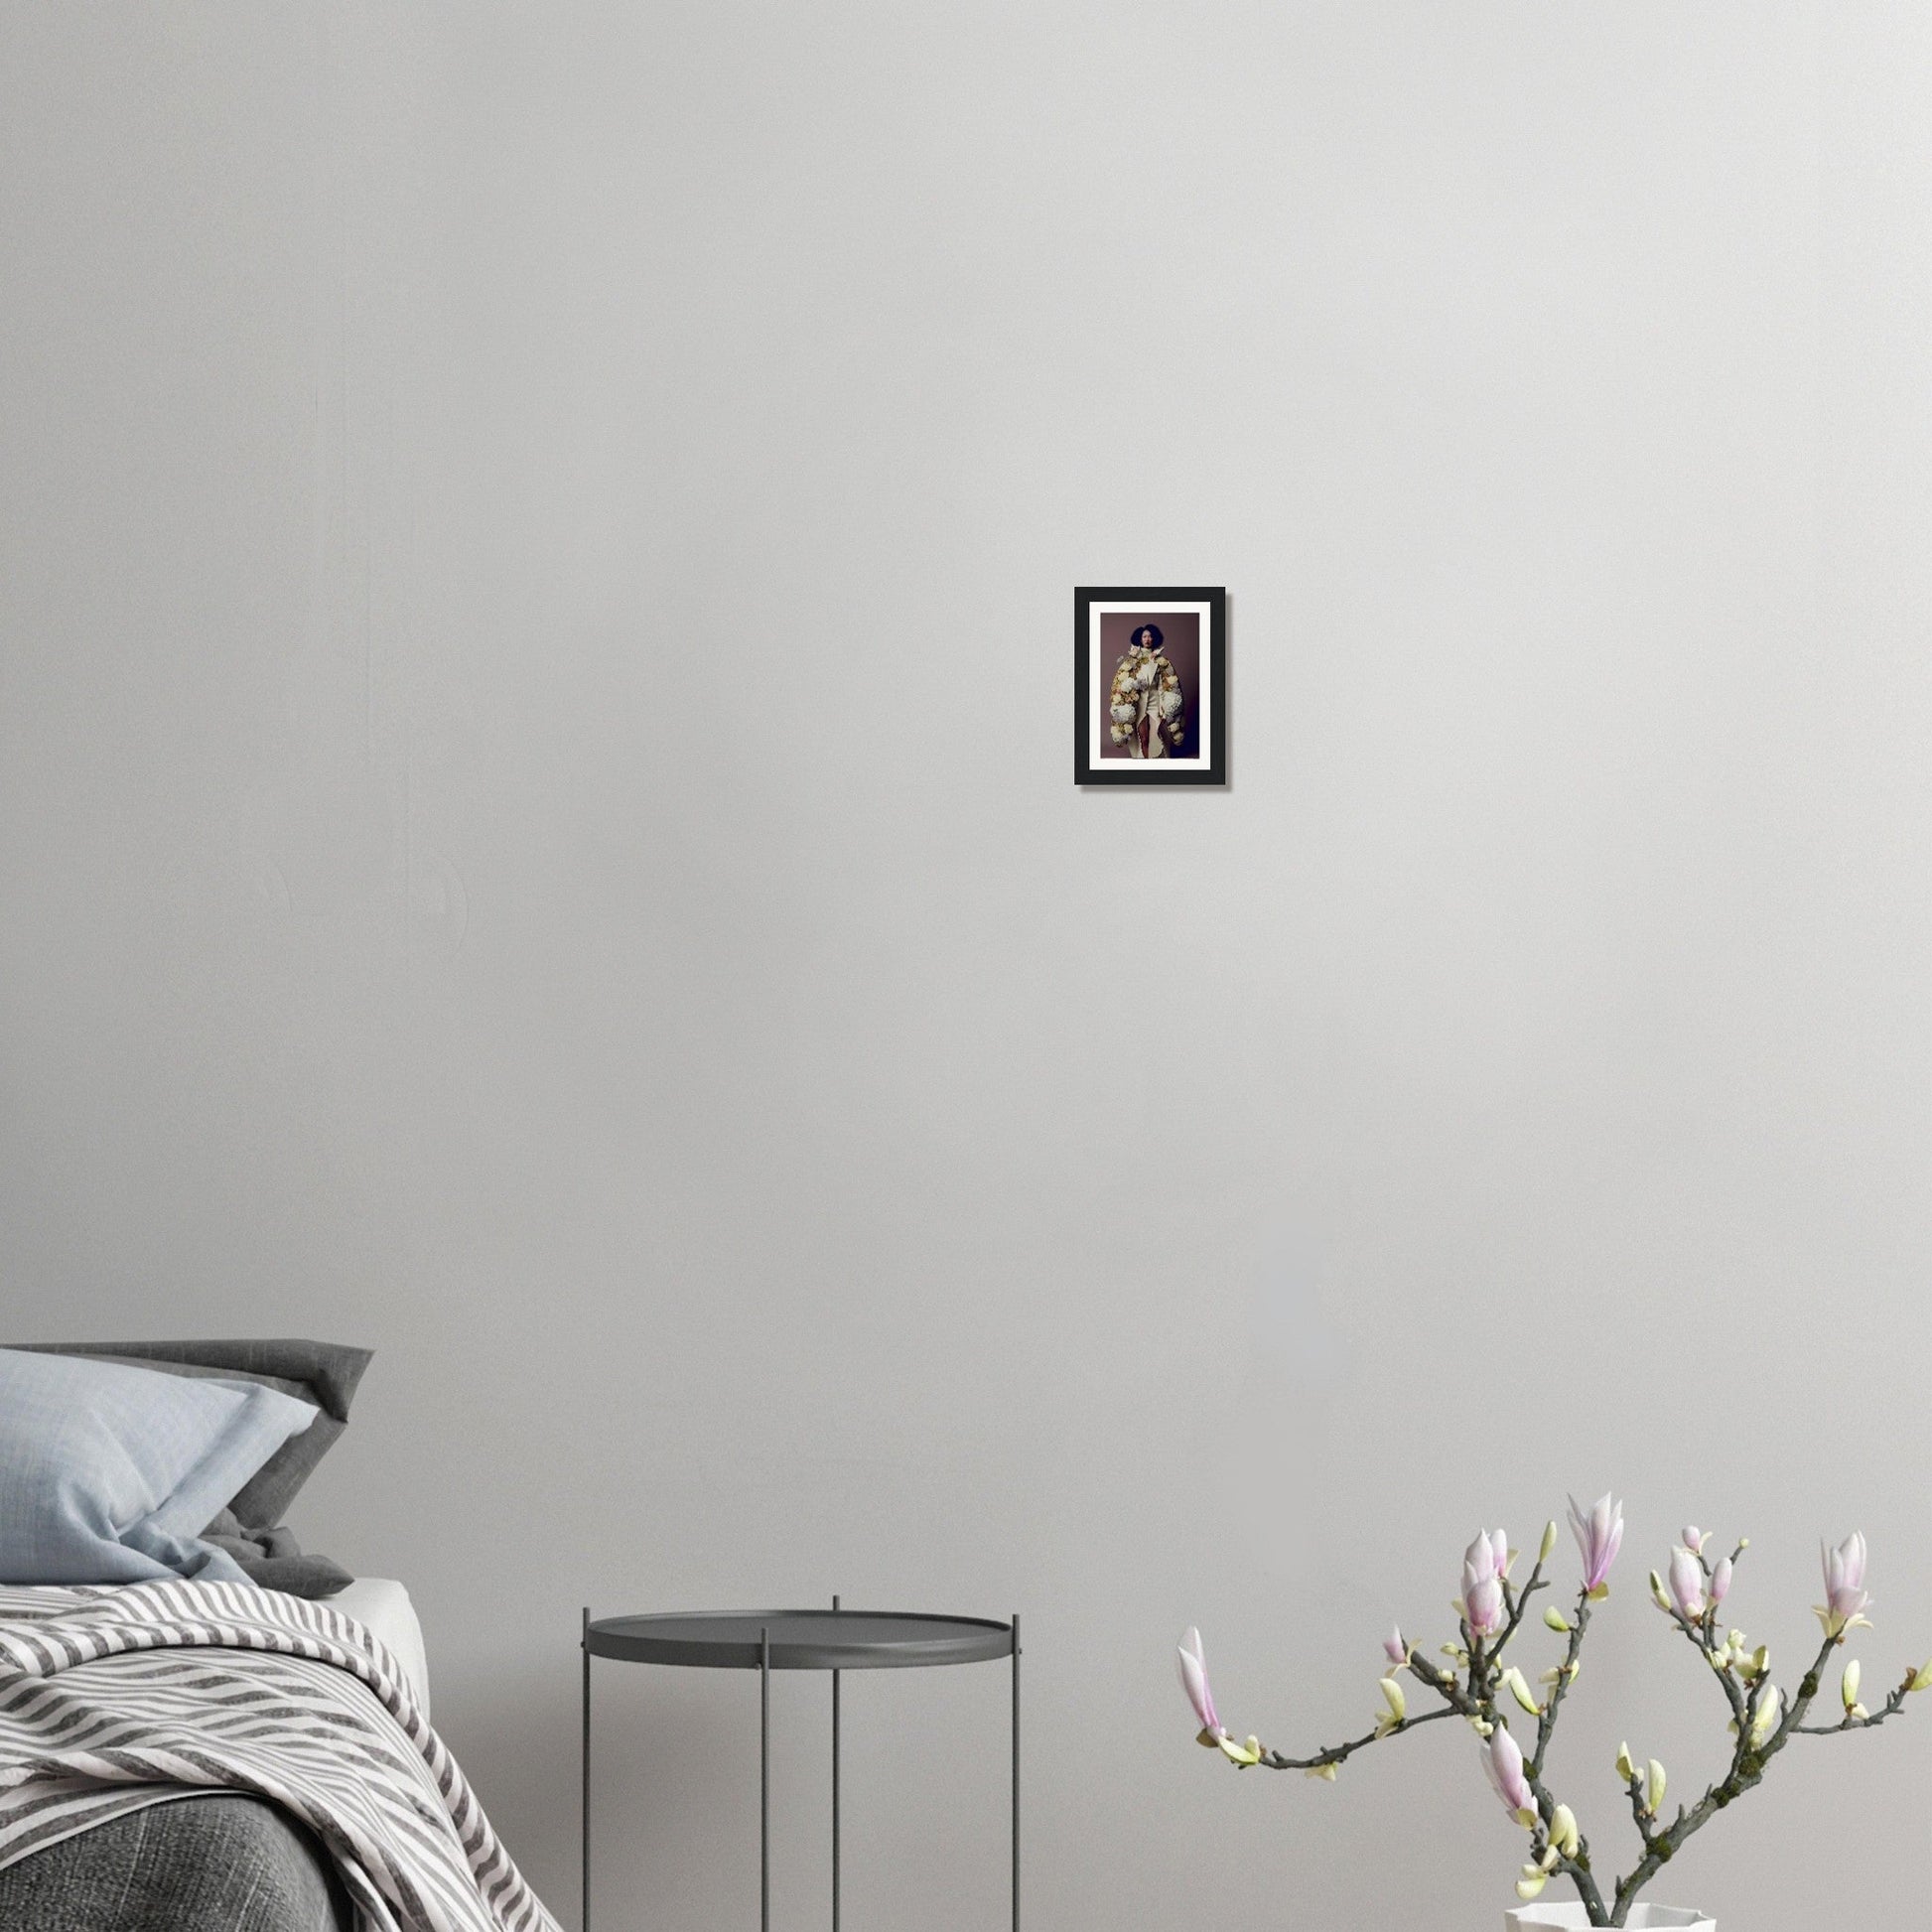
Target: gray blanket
{"points": [[213, 1864]]}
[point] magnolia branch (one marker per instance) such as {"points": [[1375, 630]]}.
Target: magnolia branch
{"points": [[1870, 1722], [1487, 1693], [1340, 1753], [1748, 1762]]}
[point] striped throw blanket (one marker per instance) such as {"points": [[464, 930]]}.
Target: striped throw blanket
{"points": [[113, 1699]]}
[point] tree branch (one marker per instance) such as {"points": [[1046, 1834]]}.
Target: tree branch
{"points": [[1703, 1634], [1338, 1753], [1546, 1724], [1889, 1709], [1749, 1762], [1518, 1604]]}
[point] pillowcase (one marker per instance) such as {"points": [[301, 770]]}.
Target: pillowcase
{"points": [[322, 1373], [109, 1472]]}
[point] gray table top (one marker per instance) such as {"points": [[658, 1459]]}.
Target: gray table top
{"points": [[800, 1639]]}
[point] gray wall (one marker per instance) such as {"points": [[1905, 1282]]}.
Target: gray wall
{"points": [[536, 833]]}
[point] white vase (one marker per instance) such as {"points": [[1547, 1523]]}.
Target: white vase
{"points": [[1574, 1918]]}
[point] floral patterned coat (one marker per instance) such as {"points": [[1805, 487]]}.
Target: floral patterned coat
{"points": [[1149, 714]]}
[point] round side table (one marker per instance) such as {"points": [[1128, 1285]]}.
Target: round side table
{"points": [[834, 1640]]}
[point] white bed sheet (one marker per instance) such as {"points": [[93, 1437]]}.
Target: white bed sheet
{"points": [[383, 1605]]}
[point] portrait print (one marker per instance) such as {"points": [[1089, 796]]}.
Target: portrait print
{"points": [[1154, 692], [1147, 687]]}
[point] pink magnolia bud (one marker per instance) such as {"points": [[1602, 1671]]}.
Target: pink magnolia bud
{"points": [[1394, 1648], [1721, 1581], [1599, 1536], [1845, 1577], [1194, 1680], [1486, 1553], [1685, 1583], [1482, 1587], [1502, 1765], [1694, 1539]]}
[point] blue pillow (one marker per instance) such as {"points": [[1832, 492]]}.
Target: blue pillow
{"points": [[108, 1474]]}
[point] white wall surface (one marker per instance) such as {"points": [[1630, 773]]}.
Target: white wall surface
{"points": [[536, 833]]}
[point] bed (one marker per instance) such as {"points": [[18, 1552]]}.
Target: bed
{"points": [[201, 1728], [213, 1862]]}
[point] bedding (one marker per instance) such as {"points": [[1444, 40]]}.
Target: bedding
{"points": [[109, 1472], [118, 1702], [275, 1559], [383, 1605], [322, 1374], [249, 1527]]}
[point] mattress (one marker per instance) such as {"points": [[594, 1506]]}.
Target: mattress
{"points": [[383, 1605]]}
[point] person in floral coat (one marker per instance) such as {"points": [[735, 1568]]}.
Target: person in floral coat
{"points": [[1149, 713]]}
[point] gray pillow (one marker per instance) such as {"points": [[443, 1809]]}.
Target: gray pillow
{"points": [[322, 1373]]}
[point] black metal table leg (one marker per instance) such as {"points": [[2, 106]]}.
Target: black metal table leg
{"points": [[835, 1793], [585, 1917], [764, 1782], [1016, 1771]]}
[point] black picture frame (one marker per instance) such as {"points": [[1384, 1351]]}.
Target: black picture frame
{"points": [[1099, 610]]}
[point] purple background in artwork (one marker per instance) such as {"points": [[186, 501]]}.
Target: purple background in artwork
{"points": [[1181, 647]]}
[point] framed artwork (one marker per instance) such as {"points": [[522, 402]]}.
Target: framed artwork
{"points": [[1150, 687]]}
